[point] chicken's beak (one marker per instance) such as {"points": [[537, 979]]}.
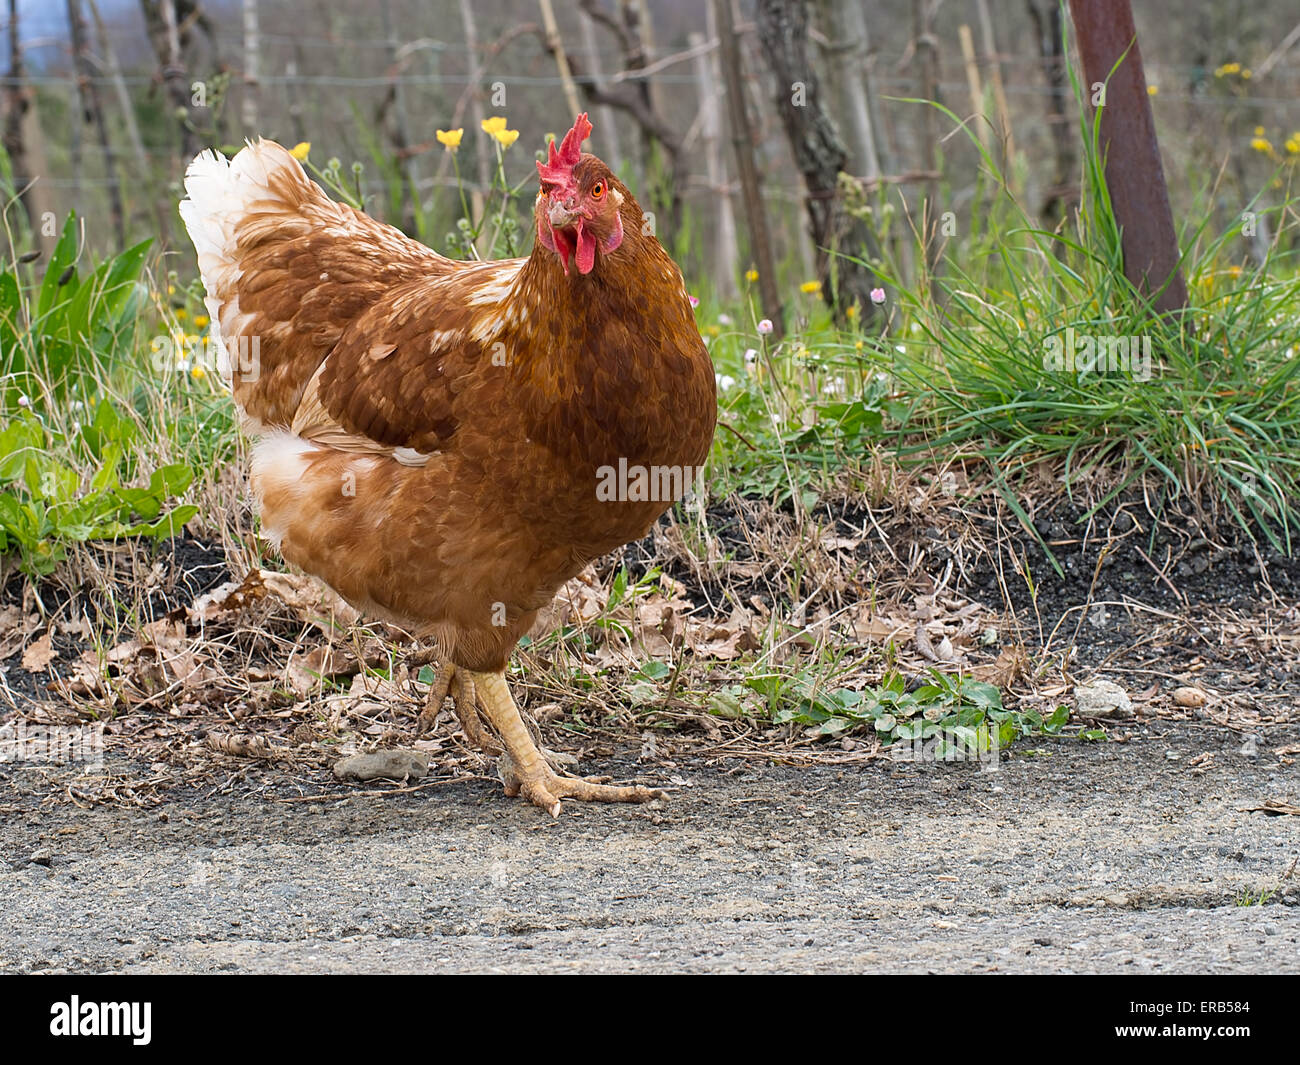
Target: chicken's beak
{"points": [[560, 216]]}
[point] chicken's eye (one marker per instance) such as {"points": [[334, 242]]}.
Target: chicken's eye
{"points": [[598, 190]]}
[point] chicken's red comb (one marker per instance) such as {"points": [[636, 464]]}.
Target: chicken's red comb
{"points": [[559, 167]]}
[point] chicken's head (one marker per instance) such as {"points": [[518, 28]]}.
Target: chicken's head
{"points": [[578, 206]]}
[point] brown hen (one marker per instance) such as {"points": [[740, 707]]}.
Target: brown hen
{"points": [[445, 443]]}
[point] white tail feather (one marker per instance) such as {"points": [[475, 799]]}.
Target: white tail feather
{"points": [[219, 193]]}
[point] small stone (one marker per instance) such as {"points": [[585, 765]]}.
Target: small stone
{"points": [[386, 765], [1189, 697], [1102, 698], [41, 856]]}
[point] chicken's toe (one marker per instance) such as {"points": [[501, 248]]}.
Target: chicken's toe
{"points": [[437, 693], [523, 769]]}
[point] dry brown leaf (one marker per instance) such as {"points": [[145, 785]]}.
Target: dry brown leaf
{"points": [[306, 672], [578, 601], [228, 598], [78, 626], [39, 653], [941, 652], [84, 680], [840, 543], [726, 641], [869, 628], [1008, 668], [660, 625], [313, 601]]}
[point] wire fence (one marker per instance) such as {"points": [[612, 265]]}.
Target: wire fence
{"points": [[1187, 98]]}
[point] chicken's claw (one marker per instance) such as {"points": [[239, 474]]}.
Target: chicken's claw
{"points": [[545, 788], [524, 771]]}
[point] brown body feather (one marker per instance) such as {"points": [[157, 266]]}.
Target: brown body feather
{"points": [[434, 428]]}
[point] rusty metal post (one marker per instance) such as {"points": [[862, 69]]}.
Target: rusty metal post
{"points": [[1134, 174]]}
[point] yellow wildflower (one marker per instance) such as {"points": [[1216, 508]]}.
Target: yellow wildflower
{"points": [[200, 320], [494, 125], [1229, 68], [1152, 90], [299, 151], [1262, 144], [450, 138], [810, 286], [851, 311], [1293, 145], [181, 312], [198, 372], [713, 330], [1259, 131], [506, 137], [1234, 271], [1246, 73], [751, 276]]}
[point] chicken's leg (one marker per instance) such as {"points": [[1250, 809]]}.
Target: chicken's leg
{"points": [[464, 701], [525, 770]]}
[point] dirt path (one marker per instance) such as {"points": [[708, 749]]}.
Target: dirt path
{"points": [[1115, 857]]}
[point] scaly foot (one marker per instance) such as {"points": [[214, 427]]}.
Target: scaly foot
{"points": [[524, 769], [464, 702], [545, 787]]}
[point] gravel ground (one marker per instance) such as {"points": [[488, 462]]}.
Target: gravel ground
{"points": [[1115, 857]]}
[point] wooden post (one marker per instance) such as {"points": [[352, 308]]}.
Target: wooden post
{"points": [[1135, 177], [1062, 196], [556, 46], [974, 84], [92, 111], [724, 235], [482, 152], [176, 80], [252, 50], [990, 45], [296, 123], [23, 140], [120, 90], [927, 60], [411, 210], [742, 139], [844, 51], [610, 148]]}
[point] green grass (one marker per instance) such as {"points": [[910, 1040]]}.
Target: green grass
{"points": [[89, 446], [970, 370], [110, 428]]}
